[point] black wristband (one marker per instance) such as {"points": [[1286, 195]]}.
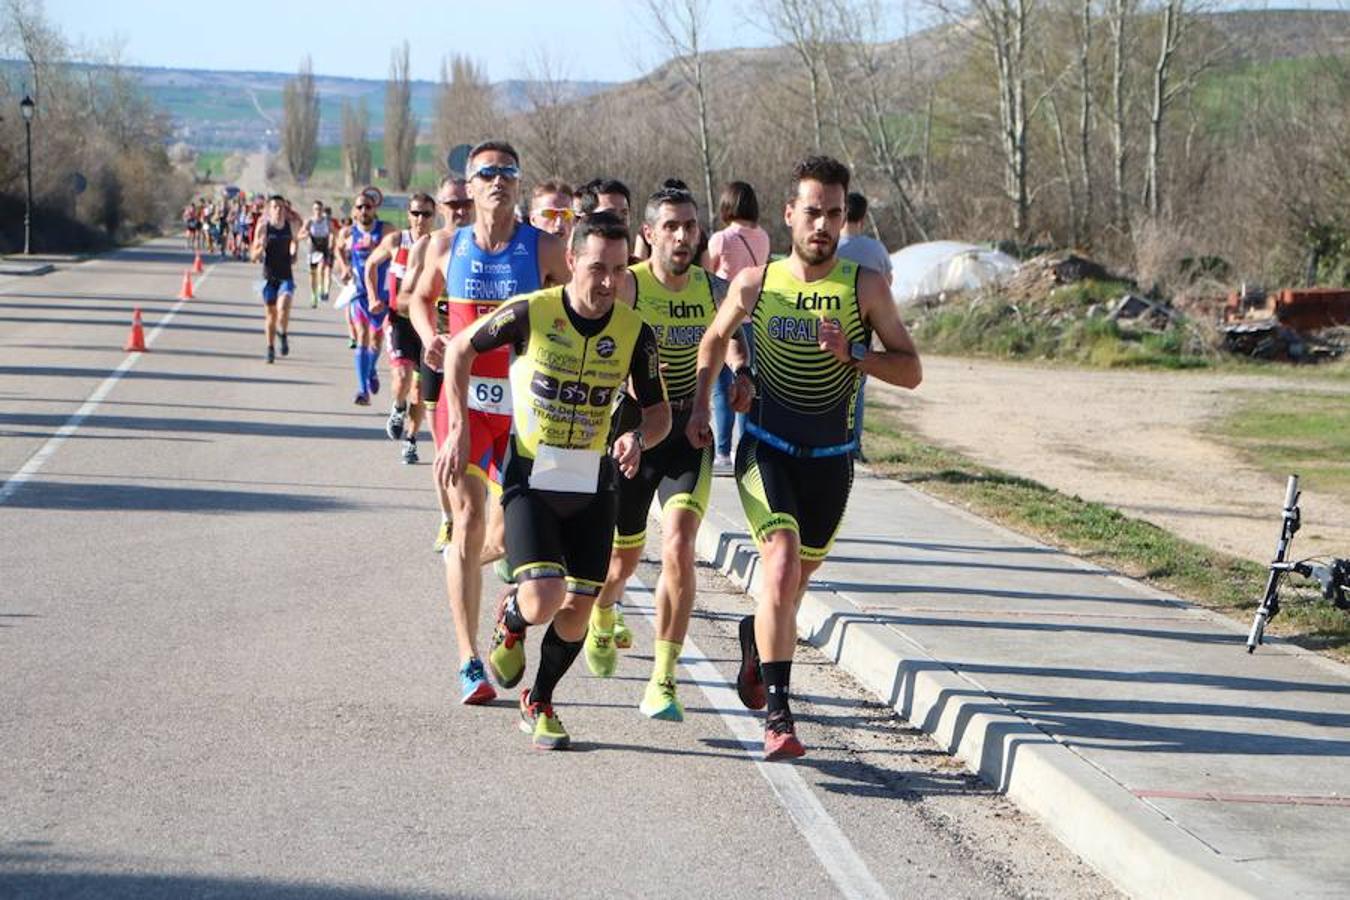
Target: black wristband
{"points": [[744, 369]]}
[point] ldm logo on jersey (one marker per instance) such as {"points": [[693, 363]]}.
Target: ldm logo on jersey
{"points": [[682, 310], [817, 300]]}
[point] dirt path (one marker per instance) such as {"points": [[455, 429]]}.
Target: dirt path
{"points": [[1134, 440]]}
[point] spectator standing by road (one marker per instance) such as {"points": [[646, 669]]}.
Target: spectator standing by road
{"points": [[869, 252], [739, 244]]}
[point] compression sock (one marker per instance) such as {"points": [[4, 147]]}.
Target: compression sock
{"points": [[603, 617], [776, 677], [372, 360], [359, 357], [555, 658], [664, 659]]}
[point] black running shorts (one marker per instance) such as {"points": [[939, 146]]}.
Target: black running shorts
{"points": [[807, 496], [675, 471], [404, 344]]}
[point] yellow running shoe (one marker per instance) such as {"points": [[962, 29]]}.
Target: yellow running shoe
{"points": [[601, 657], [623, 638], [507, 659], [443, 536], [542, 724], [660, 702]]}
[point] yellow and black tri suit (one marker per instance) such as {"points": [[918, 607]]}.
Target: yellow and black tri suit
{"points": [[675, 470], [794, 466], [560, 485]]}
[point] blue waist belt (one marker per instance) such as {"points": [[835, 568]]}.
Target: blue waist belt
{"points": [[796, 450]]}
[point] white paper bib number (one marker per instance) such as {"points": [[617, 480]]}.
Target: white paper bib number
{"points": [[573, 471], [490, 395]]}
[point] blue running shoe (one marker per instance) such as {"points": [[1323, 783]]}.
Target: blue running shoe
{"points": [[473, 684]]}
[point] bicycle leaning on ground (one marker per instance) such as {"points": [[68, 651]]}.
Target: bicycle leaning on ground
{"points": [[1332, 574]]}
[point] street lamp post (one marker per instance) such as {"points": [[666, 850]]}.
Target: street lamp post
{"points": [[27, 106]]}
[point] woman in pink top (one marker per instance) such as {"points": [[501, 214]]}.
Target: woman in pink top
{"points": [[740, 243]]}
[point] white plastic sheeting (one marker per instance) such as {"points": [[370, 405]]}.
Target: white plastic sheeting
{"points": [[928, 269]]}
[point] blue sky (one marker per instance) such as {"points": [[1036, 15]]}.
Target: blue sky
{"points": [[602, 40]]}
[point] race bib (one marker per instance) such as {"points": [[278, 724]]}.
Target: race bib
{"points": [[572, 471], [490, 395]]}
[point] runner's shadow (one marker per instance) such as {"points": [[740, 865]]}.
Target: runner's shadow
{"points": [[140, 374], [145, 498], [202, 426]]}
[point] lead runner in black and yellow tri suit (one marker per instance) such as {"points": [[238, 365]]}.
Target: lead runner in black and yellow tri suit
{"points": [[678, 300], [812, 316], [574, 350]]}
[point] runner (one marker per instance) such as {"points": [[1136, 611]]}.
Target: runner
{"points": [[405, 347], [678, 300], [274, 243], [366, 313], [574, 349], [812, 316], [318, 230], [456, 209], [551, 208], [191, 225], [479, 267]]}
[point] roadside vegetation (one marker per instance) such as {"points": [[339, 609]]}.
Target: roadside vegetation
{"points": [[1093, 531], [1305, 433]]}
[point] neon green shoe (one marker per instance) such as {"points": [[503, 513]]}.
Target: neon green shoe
{"points": [[443, 536], [660, 702], [623, 638], [502, 569], [601, 657], [507, 659], [543, 725]]}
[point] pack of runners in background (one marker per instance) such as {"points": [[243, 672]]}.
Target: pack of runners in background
{"points": [[569, 374]]}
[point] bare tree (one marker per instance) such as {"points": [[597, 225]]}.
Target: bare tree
{"points": [[1004, 28], [552, 114], [802, 26], [356, 157], [400, 125], [871, 88], [300, 123], [680, 25], [465, 107], [1120, 16], [1084, 225]]}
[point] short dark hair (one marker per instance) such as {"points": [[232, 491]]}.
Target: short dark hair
{"points": [[855, 207], [672, 191], [552, 185], [825, 169], [277, 197], [421, 197], [590, 193], [604, 224], [498, 146], [738, 201]]}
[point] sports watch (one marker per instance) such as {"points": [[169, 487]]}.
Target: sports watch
{"points": [[857, 352]]}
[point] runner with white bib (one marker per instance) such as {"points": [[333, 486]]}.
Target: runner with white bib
{"points": [[478, 267]]}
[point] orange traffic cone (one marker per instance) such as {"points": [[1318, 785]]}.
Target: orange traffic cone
{"points": [[197, 264], [136, 342], [186, 292]]}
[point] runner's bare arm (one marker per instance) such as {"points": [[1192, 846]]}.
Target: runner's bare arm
{"points": [[552, 261], [422, 309], [255, 249], [453, 457], [344, 266], [407, 286], [378, 257], [898, 363], [739, 304]]}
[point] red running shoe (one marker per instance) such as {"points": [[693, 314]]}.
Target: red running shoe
{"points": [[780, 737], [749, 681]]}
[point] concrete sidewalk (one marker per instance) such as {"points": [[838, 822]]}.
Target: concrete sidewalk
{"points": [[1135, 726]]}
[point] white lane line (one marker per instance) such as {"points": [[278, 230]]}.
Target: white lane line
{"points": [[827, 840], [72, 425]]}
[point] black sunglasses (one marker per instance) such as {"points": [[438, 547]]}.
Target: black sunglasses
{"points": [[420, 212]]}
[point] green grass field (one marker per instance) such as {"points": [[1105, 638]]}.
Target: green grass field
{"points": [[1305, 433], [1094, 531]]}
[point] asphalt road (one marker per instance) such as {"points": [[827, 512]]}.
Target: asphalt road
{"points": [[226, 664]]}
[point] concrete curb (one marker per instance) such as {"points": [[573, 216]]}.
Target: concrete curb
{"points": [[1137, 847]]}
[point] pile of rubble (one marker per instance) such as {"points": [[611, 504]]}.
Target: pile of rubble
{"points": [[1037, 277], [1299, 325]]}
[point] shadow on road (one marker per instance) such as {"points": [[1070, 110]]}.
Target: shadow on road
{"points": [[144, 498], [80, 372]]}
